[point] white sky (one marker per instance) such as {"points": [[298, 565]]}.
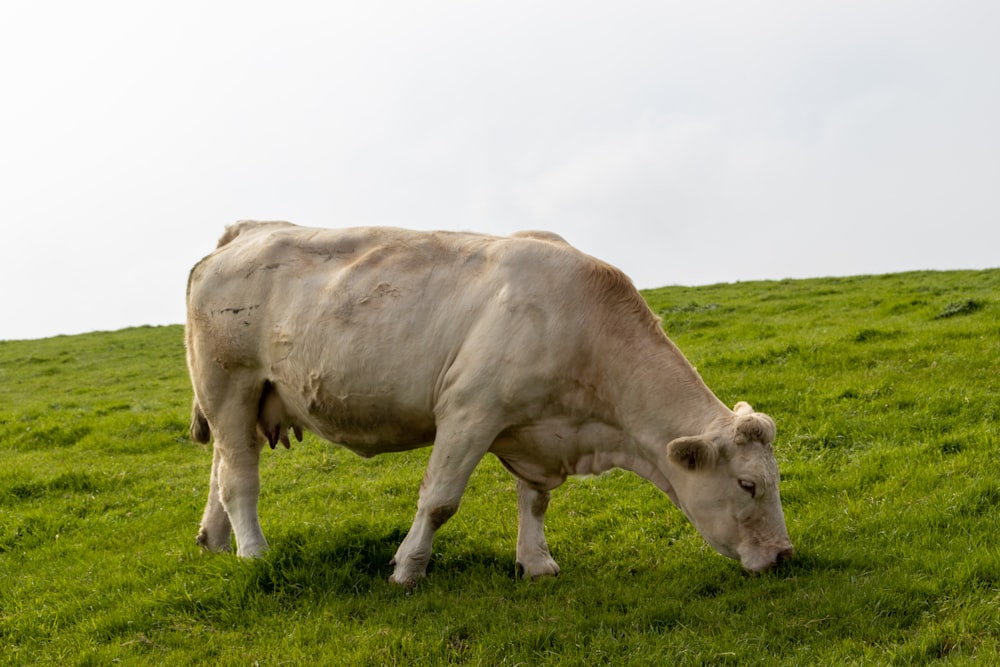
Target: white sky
{"points": [[685, 142]]}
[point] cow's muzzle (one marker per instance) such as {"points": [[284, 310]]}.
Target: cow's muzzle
{"points": [[762, 562]]}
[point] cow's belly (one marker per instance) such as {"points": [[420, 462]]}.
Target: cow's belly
{"points": [[381, 439], [363, 436], [369, 424]]}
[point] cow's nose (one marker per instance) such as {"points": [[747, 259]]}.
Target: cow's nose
{"points": [[783, 555]]}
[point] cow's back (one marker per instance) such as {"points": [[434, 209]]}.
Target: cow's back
{"points": [[368, 333]]}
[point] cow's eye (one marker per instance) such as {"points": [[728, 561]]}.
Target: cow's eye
{"points": [[749, 487]]}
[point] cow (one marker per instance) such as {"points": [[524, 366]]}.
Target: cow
{"points": [[386, 340]]}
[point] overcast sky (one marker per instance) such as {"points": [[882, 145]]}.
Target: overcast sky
{"points": [[685, 142]]}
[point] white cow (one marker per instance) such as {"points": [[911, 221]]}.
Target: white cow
{"points": [[387, 340]]}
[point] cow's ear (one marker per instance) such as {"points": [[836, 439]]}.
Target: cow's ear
{"points": [[692, 452]]}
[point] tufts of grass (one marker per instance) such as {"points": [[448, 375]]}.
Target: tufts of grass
{"points": [[963, 307]]}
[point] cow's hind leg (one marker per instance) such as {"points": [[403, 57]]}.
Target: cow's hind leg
{"points": [[216, 529], [239, 491], [455, 454], [235, 483], [532, 550]]}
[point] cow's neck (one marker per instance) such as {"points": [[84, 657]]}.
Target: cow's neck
{"points": [[661, 397]]}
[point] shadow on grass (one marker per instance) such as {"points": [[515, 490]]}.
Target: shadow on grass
{"points": [[354, 559], [807, 563], [349, 564], [347, 560]]}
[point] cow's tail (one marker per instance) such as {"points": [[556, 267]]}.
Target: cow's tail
{"points": [[200, 431]]}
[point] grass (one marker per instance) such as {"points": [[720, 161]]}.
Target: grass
{"points": [[885, 393]]}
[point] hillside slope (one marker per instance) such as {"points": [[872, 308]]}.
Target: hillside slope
{"points": [[885, 391]]}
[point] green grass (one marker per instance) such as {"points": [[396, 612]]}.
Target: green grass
{"points": [[885, 391]]}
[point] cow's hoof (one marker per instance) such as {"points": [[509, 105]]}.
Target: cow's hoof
{"points": [[543, 568], [253, 550], [407, 582], [403, 577], [206, 543]]}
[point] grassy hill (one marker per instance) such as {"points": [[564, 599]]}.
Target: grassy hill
{"points": [[885, 391]]}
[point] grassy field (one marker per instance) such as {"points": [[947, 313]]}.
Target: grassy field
{"points": [[886, 392]]}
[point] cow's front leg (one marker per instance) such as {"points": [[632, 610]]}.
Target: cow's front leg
{"points": [[532, 550], [216, 531], [451, 464]]}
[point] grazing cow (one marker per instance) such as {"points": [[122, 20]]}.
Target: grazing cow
{"points": [[387, 340]]}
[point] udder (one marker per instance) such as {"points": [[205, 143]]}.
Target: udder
{"points": [[273, 420]]}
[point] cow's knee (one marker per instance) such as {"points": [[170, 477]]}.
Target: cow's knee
{"points": [[439, 515]]}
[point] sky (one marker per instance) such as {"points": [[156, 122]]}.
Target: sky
{"points": [[687, 143]]}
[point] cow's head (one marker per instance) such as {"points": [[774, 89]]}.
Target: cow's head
{"points": [[726, 483]]}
